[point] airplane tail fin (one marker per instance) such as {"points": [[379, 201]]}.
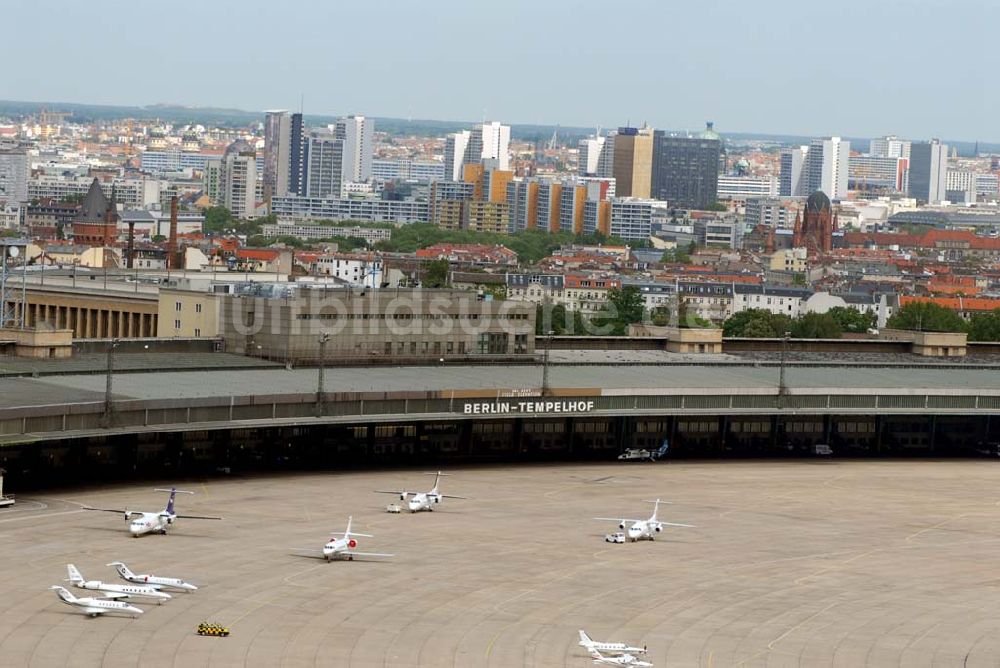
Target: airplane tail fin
{"points": [[585, 639], [74, 575], [63, 593], [122, 569], [170, 501], [347, 532]]}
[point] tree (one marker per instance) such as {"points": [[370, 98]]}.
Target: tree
{"points": [[985, 326], [435, 274], [158, 238], [851, 319], [757, 323], [623, 307], [927, 317], [217, 220], [816, 326]]}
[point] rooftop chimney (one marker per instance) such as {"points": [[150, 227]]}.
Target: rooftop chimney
{"points": [[172, 241]]}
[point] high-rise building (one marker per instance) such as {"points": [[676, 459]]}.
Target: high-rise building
{"points": [[791, 183], [211, 177], [928, 174], [324, 175], [358, 135], [298, 149], [490, 141], [889, 146], [454, 154], [826, 167], [633, 162], [277, 156], [238, 180], [596, 157], [686, 169], [13, 176]]}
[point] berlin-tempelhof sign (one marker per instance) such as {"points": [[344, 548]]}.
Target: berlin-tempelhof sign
{"points": [[527, 407]]}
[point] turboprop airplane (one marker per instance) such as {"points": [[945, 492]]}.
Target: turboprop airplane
{"points": [[644, 529], [343, 547], [423, 500], [614, 647], [156, 580], [621, 660], [154, 522], [115, 590], [95, 606]]}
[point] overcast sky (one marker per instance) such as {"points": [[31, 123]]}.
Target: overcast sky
{"points": [[918, 68]]}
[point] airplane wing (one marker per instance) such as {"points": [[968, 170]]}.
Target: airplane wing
{"points": [[311, 553], [617, 519], [452, 496], [386, 491], [107, 510], [368, 554], [197, 517], [113, 595], [353, 533], [675, 524], [94, 611]]}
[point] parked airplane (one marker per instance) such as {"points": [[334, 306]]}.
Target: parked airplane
{"points": [[115, 590], [614, 647], [154, 522], [424, 500], [155, 580], [95, 606], [343, 548], [644, 529], [620, 660]]}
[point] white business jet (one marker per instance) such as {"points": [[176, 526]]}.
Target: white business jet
{"points": [[154, 522], [343, 547], [589, 644], [156, 580], [95, 606], [115, 590], [423, 500], [644, 529], [620, 660]]}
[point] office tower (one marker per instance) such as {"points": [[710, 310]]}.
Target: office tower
{"points": [[596, 157], [791, 183], [358, 135], [490, 141], [826, 167], [211, 177], [889, 146], [928, 171], [13, 176], [324, 176], [454, 154], [297, 151], [686, 169], [633, 162], [238, 180], [277, 145]]}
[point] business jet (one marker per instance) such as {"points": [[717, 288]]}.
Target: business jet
{"points": [[614, 647], [343, 547], [620, 660], [423, 500], [154, 522], [95, 606], [644, 529], [115, 590], [154, 580]]}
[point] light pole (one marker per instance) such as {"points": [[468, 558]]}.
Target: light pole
{"points": [[782, 388], [323, 338], [109, 382], [545, 363]]}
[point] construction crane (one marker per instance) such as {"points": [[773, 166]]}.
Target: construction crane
{"points": [[551, 146]]}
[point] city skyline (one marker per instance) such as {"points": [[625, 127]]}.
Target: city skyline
{"points": [[668, 79]]}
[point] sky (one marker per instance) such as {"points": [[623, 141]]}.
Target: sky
{"points": [[916, 68]]}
